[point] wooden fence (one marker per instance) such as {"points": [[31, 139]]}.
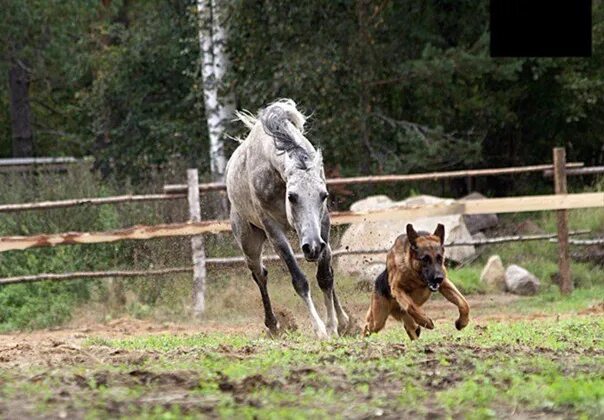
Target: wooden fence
{"points": [[560, 202], [40, 164]]}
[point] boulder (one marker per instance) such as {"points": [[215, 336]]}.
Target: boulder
{"points": [[519, 281], [374, 202], [382, 234], [478, 236], [493, 274], [528, 227], [478, 222]]}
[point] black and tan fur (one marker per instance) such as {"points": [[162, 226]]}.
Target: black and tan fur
{"points": [[414, 270]]}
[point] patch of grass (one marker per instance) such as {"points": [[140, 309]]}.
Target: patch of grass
{"points": [[551, 301], [467, 279], [39, 305], [532, 367]]}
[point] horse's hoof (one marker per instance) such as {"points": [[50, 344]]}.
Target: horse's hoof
{"points": [[273, 333], [332, 331]]}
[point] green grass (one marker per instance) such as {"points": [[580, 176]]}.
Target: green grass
{"points": [[541, 367], [467, 279]]}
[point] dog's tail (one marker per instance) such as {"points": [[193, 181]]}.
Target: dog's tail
{"points": [[381, 284]]}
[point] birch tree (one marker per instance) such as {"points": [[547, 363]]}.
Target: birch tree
{"points": [[219, 107]]}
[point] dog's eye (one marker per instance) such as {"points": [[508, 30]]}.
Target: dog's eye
{"points": [[426, 259], [293, 198], [439, 259]]}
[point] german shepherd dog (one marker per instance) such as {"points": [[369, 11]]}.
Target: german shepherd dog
{"points": [[414, 270]]}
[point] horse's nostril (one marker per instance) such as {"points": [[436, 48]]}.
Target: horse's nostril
{"points": [[439, 279], [322, 245], [306, 248]]}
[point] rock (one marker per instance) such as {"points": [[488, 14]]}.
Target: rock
{"points": [[478, 222], [374, 202], [493, 273], [528, 227], [382, 234], [519, 281], [421, 200], [478, 236]]}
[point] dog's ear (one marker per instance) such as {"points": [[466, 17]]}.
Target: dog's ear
{"points": [[411, 235], [440, 232]]}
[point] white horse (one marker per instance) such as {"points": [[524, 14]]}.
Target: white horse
{"points": [[275, 181]]}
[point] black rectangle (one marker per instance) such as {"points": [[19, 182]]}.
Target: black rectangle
{"points": [[540, 28]]}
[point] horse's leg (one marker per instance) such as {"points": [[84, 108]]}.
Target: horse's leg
{"points": [[343, 319], [277, 238], [325, 279], [326, 282], [251, 239]]}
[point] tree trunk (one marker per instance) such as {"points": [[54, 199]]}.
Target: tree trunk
{"points": [[212, 38], [20, 111], [226, 99], [364, 62]]}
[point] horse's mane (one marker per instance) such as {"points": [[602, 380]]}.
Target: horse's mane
{"points": [[280, 120]]}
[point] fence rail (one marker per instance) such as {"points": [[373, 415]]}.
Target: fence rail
{"points": [[237, 261], [39, 163], [376, 179], [47, 205], [590, 170], [560, 202], [489, 205], [179, 191]]}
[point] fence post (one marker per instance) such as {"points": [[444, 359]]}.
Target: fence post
{"points": [[197, 247], [566, 285]]}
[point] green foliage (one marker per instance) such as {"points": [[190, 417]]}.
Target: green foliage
{"points": [[52, 48], [44, 304], [143, 104], [467, 279], [393, 86]]}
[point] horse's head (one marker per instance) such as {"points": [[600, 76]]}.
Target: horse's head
{"points": [[306, 198]]}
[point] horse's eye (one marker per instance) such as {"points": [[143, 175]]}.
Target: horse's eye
{"points": [[426, 259], [293, 198], [324, 196]]}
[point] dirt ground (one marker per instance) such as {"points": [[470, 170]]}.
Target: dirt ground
{"points": [[71, 374], [56, 346]]}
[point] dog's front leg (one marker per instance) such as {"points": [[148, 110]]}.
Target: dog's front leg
{"points": [[450, 292], [408, 307]]}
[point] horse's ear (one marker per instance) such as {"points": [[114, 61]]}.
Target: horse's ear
{"points": [[440, 233], [411, 235], [318, 160], [317, 163]]}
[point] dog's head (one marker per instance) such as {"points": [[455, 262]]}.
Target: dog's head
{"points": [[427, 255]]}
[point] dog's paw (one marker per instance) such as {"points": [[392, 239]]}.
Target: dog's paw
{"points": [[460, 325], [429, 324]]}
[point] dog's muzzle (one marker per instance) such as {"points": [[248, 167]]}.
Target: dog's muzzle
{"points": [[434, 285]]}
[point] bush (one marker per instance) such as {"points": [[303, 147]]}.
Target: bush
{"points": [[42, 304]]}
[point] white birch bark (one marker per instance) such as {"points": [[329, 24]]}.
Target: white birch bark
{"points": [[212, 38]]}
